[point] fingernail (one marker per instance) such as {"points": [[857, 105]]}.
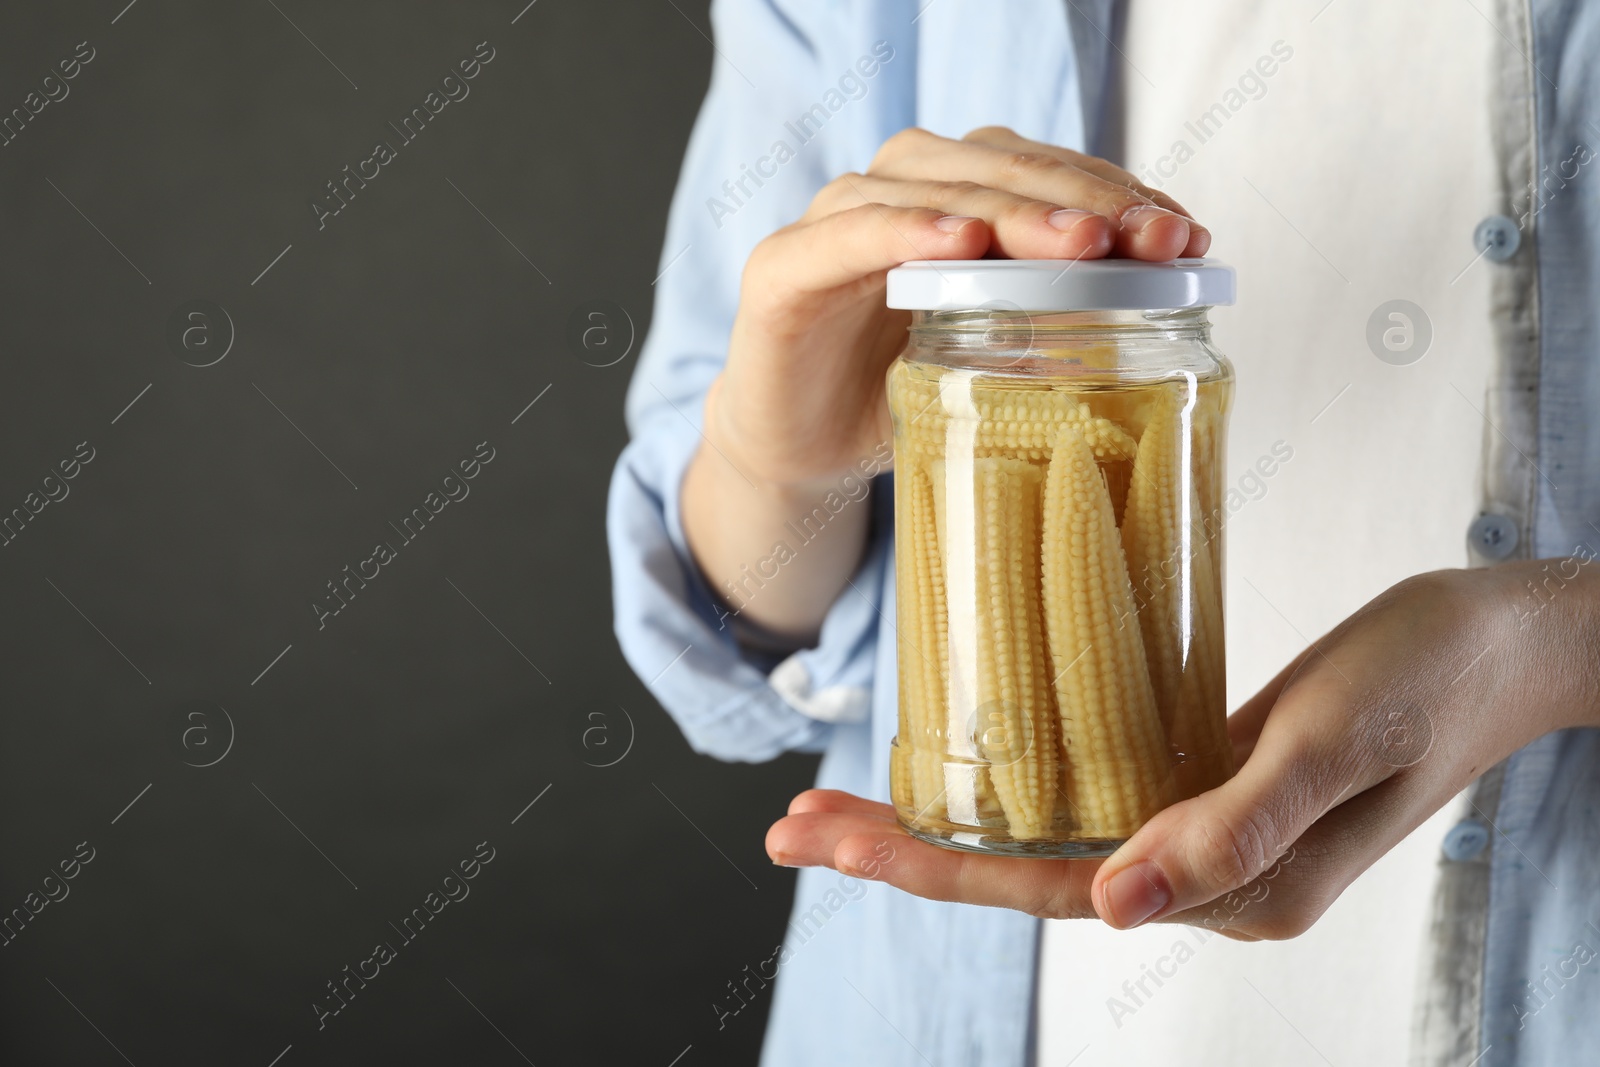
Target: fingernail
{"points": [[1068, 218], [1135, 893], [1141, 216], [780, 859], [953, 223]]}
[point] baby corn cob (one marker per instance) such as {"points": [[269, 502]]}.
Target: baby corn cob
{"points": [[910, 647], [1210, 410], [1111, 731], [923, 621], [1017, 423], [1172, 563], [1200, 721], [1152, 543], [1015, 721], [1210, 416], [1026, 440]]}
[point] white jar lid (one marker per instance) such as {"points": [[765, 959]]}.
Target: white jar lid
{"points": [[1059, 285]]}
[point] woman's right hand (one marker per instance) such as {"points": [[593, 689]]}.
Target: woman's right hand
{"points": [[801, 399], [802, 395]]}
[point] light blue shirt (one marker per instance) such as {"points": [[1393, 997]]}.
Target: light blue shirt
{"points": [[803, 91]]}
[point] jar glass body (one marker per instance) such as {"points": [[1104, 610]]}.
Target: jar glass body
{"points": [[1058, 503]]}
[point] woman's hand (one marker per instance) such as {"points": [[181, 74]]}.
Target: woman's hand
{"points": [[1347, 751], [802, 396], [801, 399]]}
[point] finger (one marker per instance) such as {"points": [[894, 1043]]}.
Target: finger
{"points": [[1200, 849], [1004, 137], [1001, 137], [1280, 902], [1244, 725], [1024, 228], [835, 800], [848, 246], [1299, 887], [1145, 230], [1057, 889], [809, 840]]}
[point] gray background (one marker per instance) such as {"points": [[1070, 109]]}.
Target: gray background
{"points": [[475, 675]]}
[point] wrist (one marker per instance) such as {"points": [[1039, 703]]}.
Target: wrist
{"points": [[753, 468], [729, 473], [1556, 632], [776, 553]]}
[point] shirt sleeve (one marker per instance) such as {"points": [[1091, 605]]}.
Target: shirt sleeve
{"points": [[731, 698]]}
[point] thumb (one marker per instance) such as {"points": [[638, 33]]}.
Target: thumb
{"points": [[1209, 846]]}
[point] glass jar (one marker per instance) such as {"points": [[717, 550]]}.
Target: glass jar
{"points": [[1058, 434]]}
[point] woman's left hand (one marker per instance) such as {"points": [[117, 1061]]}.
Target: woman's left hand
{"points": [[1348, 750]]}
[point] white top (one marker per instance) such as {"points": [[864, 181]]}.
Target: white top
{"points": [[1380, 113], [1051, 285]]}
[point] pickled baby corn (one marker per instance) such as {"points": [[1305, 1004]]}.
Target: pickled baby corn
{"points": [[924, 649], [1060, 626], [1110, 727], [1015, 724], [1017, 423], [1173, 568], [1210, 411]]}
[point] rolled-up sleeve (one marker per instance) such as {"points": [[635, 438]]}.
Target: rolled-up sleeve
{"points": [[730, 699]]}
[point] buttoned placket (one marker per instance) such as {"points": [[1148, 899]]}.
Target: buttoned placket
{"points": [[1449, 1015]]}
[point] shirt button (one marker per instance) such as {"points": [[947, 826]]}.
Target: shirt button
{"points": [[1493, 536], [1497, 237], [1465, 840]]}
